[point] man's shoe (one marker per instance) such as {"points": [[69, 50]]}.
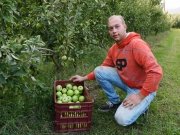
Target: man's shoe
{"points": [[108, 106], [142, 118], [145, 113]]}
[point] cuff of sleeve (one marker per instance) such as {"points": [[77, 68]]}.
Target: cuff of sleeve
{"points": [[91, 76], [144, 92]]}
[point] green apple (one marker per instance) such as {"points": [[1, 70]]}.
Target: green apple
{"points": [[58, 87], [64, 58], [69, 86], [81, 98], [58, 94], [60, 98], [76, 92], [80, 92], [80, 88], [64, 95], [77, 106], [70, 93], [75, 98], [74, 87], [64, 90], [69, 98], [65, 99], [59, 101], [71, 107]]}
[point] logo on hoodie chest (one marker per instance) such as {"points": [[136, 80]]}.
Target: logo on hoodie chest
{"points": [[121, 63]]}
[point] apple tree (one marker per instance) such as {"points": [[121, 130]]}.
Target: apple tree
{"points": [[17, 54]]}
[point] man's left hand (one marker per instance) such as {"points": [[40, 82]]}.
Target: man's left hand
{"points": [[132, 100]]}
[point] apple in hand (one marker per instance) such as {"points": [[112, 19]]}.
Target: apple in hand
{"points": [[69, 86], [58, 87], [81, 98], [80, 88]]}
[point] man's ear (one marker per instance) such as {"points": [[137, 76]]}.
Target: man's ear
{"points": [[125, 26]]}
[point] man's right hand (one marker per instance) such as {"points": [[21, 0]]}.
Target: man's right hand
{"points": [[78, 78]]}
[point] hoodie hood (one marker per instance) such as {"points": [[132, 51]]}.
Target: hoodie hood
{"points": [[130, 37]]}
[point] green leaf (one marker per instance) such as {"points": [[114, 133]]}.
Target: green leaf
{"points": [[15, 57], [40, 84], [14, 68], [11, 82], [8, 58], [5, 75], [3, 66], [8, 18], [2, 79], [27, 90], [21, 72]]}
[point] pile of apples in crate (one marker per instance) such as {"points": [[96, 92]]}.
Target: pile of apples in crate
{"points": [[69, 94]]}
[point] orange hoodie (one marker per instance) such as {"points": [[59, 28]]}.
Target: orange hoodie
{"points": [[135, 63]]}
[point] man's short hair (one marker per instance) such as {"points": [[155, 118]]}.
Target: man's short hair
{"points": [[113, 16]]}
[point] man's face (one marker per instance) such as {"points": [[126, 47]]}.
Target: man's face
{"points": [[117, 29]]}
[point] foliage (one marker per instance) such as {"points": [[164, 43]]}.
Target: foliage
{"points": [[175, 18], [18, 55], [7, 19], [73, 27], [17, 64]]}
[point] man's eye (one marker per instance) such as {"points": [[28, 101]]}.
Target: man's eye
{"points": [[110, 29], [117, 26]]}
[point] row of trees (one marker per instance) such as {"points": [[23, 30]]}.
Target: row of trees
{"points": [[35, 31], [175, 19]]}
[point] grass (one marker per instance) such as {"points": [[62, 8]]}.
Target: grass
{"points": [[164, 113]]}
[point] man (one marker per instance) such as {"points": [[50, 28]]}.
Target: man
{"points": [[131, 66]]}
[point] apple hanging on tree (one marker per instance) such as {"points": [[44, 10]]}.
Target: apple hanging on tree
{"points": [[64, 58]]}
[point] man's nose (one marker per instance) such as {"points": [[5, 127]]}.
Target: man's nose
{"points": [[114, 30]]}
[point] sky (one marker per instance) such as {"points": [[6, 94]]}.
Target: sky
{"points": [[172, 4]]}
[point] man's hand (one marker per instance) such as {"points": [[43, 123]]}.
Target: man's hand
{"points": [[78, 78], [133, 100]]}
